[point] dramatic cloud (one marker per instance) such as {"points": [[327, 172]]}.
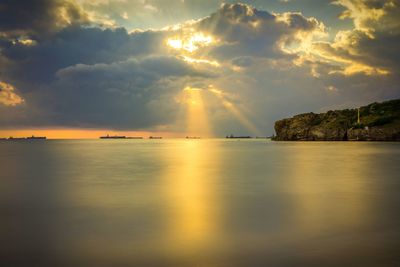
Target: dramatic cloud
{"points": [[126, 94], [371, 46], [8, 96], [73, 45], [246, 31], [250, 66], [36, 18]]}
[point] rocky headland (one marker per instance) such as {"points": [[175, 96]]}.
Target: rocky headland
{"points": [[374, 122]]}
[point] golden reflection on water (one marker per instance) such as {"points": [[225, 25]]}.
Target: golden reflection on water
{"points": [[191, 196], [197, 123]]}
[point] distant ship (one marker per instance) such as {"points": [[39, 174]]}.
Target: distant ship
{"points": [[134, 137], [113, 137], [25, 138], [16, 138], [192, 137], [155, 137], [36, 137], [237, 137]]}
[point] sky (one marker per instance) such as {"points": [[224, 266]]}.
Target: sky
{"points": [[80, 68]]}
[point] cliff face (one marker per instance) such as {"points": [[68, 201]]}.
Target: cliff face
{"points": [[378, 122]]}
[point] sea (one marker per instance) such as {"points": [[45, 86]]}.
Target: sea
{"points": [[199, 203]]}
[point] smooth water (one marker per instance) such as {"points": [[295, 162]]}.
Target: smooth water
{"points": [[84, 203]]}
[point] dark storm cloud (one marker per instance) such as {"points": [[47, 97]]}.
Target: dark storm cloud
{"points": [[136, 93], [36, 18], [72, 45]]}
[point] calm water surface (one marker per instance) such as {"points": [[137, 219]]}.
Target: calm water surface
{"points": [[199, 203]]}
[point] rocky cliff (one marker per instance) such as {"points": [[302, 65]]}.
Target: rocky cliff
{"points": [[378, 122]]}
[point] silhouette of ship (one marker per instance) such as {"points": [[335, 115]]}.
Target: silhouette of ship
{"points": [[36, 137], [27, 138], [16, 138], [120, 137], [192, 137], [237, 137], [113, 137], [155, 137]]}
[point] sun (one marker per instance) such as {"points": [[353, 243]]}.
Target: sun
{"points": [[190, 42], [175, 43], [191, 46]]}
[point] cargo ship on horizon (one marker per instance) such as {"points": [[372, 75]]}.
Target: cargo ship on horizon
{"points": [[36, 137], [25, 138], [237, 137], [120, 137], [113, 137]]}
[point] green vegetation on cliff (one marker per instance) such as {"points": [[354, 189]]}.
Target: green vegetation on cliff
{"points": [[378, 121]]}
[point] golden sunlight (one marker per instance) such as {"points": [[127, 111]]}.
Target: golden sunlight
{"points": [[201, 61], [8, 96], [195, 216], [235, 110], [190, 43], [197, 123], [175, 43]]}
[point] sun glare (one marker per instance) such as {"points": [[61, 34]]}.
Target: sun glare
{"points": [[190, 43], [175, 43]]}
